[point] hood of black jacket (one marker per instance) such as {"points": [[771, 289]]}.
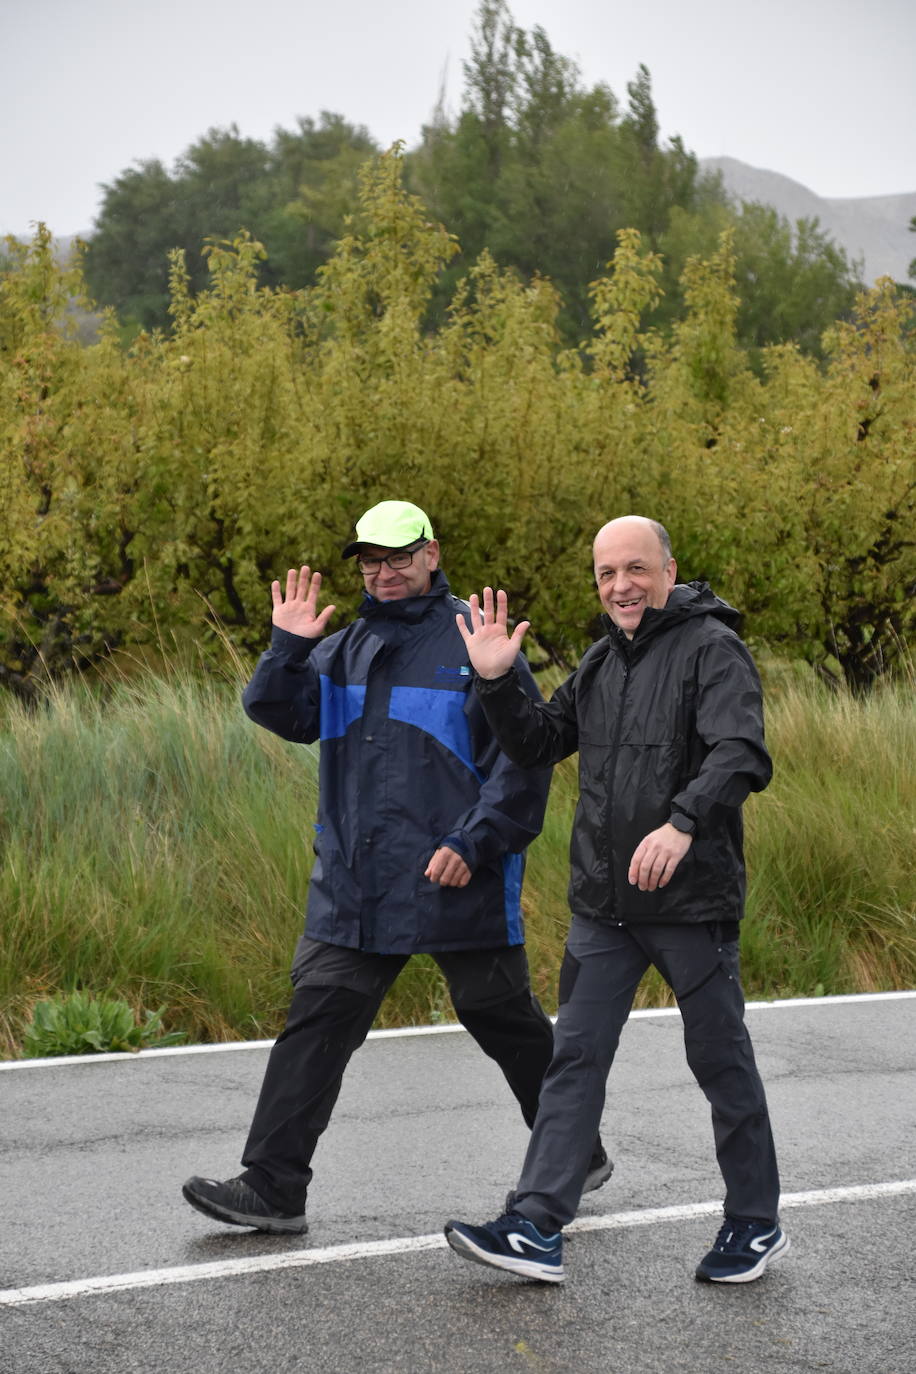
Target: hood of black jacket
{"points": [[686, 601]]}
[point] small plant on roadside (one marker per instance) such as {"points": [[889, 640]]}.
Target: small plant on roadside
{"points": [[78, 1023]]}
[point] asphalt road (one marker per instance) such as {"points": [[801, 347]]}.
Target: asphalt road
{"points": [[105, 1270]]}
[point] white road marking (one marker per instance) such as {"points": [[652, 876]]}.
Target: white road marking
{"points": [[405, 1245], [860, 1192], [449, 1028]]}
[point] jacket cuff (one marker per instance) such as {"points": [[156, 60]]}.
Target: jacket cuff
{"points": [[463, 846], [487, 686], [295, 647]]}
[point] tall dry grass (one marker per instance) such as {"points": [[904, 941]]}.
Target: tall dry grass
{"points": [[156, 846]]}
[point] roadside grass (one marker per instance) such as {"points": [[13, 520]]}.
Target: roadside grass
{"points": [[831, 845], [156, 847]]}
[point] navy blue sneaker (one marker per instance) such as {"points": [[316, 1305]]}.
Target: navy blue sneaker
{"points": [[510, 1242], [237, 1203], [742, 1251]]}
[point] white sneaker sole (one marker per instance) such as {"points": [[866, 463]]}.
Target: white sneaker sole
{"points": [[527, 1269], [781, 1248]]}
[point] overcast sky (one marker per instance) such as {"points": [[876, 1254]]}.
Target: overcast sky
{"points": [[823, 91]]}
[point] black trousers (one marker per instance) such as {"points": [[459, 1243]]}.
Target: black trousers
{"points": [[601, 970], [338, 992]]}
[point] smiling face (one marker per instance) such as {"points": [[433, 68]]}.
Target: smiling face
{"points": [[632, 570], [395, 584]]}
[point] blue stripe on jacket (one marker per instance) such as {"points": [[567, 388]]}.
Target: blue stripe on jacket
{"points": [[513, 869], [340, 707], [440, 714]]}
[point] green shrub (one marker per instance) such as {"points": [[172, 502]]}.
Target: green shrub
{"points": [[154, 493], [78, 1023]]}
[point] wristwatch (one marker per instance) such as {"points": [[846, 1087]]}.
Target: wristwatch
{"points": [[685, 824]]}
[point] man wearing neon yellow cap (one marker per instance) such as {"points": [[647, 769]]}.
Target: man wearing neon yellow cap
{"points": [[419, 848]]}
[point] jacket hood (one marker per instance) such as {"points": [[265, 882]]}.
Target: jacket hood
{"points": [[698, 598], [687, 600]]}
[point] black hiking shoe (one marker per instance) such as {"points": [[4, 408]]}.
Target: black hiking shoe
{"points": [[600, 1169], [237, 1203]]}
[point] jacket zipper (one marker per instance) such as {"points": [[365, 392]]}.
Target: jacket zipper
{"points": [[612, 767]]}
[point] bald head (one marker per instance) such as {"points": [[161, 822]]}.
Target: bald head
{"points": [[633, 569], [633, 524]]}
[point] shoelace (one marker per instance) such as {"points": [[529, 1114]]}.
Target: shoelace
{"points": [[512, 1221], [733, 1235], [509, 1221]]}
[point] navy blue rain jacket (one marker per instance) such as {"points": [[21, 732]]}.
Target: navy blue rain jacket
{"points": [[407, 763]]}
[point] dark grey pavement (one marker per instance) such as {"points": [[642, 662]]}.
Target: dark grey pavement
{"points": [[92, 1158]]}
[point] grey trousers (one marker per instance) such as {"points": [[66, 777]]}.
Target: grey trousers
{"points": [[601, 970]]}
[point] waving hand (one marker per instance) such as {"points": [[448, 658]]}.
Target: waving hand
{"points": [[491, 648], [298, 612]]}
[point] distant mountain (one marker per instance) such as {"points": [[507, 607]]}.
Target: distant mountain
{"points": [[874, 228]]}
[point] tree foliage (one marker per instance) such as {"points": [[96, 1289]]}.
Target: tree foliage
{"points": [[793, 282], [155, 492], [293, 195], [538, 169], [544, 172]]}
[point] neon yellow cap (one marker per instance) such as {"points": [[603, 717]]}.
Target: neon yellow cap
{"points": [[390, 525]]}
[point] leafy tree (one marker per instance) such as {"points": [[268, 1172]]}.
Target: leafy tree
{"points": [[792, 282], [66, 426], [647, 182], [312, 188], [538, 169], [863, 515], [149, 211], [492, 78], [152, 493], [127, 259], [542, 171], [796, 491], [293, 195]]}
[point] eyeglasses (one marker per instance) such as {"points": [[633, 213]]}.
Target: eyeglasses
{"points": [[402, 558]]}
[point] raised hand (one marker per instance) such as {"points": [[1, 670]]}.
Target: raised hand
{"points": [[297, 612], [491, 648]]}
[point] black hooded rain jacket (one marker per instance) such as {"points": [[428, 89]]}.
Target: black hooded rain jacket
{"points": [[668, 726]]}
